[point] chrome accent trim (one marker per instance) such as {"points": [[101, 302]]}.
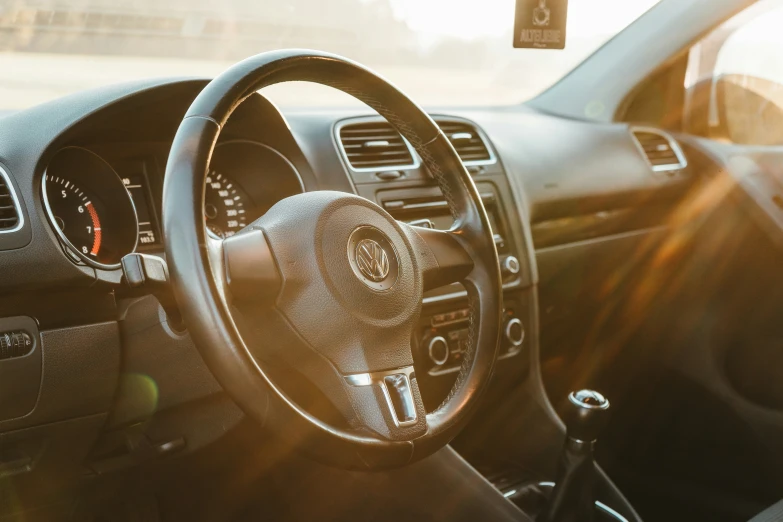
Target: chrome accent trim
{"points": [[683, 161], [462, 293], [487, 198], [574, 398], [376, 143], [512, 265], [12, 191], [438, 338], [609, 511], [509, 324], [481, 134], [61, 234], [426, 204], [369, 379], [598, 504], [371, 119], [423, 223], [359, 379]]}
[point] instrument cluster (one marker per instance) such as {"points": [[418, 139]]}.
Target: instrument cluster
{"points": [[101, 213]]}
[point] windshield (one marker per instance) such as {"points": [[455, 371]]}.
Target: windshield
{"points": [[440, 52]]}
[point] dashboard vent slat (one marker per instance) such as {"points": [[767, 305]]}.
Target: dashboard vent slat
{"points": [[375, 146], [9, 208], [467, 141], [662, 152]]}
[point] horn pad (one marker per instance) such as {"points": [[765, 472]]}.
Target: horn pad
{"points": [[351, 285]]}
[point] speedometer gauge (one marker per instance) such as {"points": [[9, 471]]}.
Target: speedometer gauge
{"points": [[89, 208], [225, 205]]}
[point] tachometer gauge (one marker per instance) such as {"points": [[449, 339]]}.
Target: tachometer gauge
{"points": [[225, 205], [75, 215], [89, 208]]}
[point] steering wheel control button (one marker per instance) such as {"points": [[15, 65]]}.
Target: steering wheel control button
{"points": [[510, 266], [515, 332], [438, 350], [373, 258]]}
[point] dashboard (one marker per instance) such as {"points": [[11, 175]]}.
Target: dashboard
{"points": [[86, 172]]}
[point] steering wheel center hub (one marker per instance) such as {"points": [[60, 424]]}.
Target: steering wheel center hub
{"points": [[353, 287]]}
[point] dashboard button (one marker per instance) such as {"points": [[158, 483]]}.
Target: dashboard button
{"points": [[15, 344], [515, 332], [510, 266], [438, 350], [390, 175]]}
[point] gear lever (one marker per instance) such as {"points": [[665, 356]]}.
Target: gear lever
{"points": [[572, 499]]}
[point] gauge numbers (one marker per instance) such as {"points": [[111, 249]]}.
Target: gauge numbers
{"points": [[75, 215], [225, 205], [89, 208]]}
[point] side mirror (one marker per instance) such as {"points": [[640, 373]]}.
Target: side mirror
{"points": [[740, 109]]}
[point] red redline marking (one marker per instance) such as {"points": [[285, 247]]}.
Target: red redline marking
{"points": [[96, 228]]}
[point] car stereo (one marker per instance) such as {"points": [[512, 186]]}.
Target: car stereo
{"points": [[444, 335], [431, 211]]}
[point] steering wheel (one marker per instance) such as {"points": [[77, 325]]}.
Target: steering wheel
{"points": [[329, 282]]}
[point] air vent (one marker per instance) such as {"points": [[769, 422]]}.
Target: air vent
{"points": [[10, 219], [660, 149], [467, 141], [375, 146]]}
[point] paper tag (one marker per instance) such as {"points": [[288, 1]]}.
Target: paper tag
{"points": [[540, 24]]}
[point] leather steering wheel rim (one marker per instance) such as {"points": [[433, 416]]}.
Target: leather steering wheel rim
{"points": [[198, 264]]}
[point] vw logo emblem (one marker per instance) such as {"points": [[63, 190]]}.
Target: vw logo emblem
{"points": [[372, 260]]}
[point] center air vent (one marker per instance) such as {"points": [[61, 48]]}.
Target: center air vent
{"points": [[660, 149], [467, 142], [10, 219], [375, 146]]}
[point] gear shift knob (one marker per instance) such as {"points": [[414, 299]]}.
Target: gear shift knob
{"points": [[572, 499], [588, 411]]}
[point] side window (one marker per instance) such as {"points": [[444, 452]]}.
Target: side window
{"points": [[734, 80]]}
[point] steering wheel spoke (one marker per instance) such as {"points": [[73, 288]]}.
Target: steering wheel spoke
{"points": [[250, 271], [388, 402], [442, 257]]}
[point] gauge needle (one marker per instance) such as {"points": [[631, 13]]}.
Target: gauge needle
{"points": [[96, 226]]}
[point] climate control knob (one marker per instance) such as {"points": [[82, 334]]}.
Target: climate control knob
{"points": [[438, 350], [510, 266], [515, 332]]}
